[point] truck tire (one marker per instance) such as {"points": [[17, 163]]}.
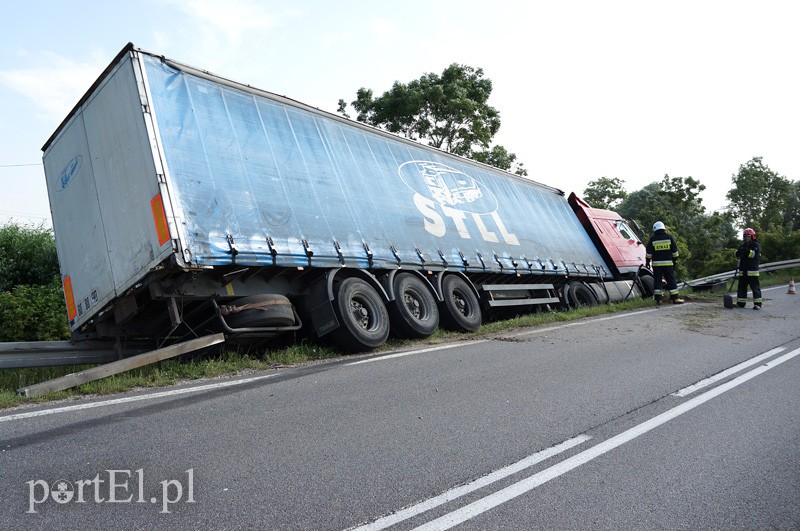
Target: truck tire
{"points": [[565, 302], [260, 310], [460, 309], [648, 285], [363, 319], [581, 295], [413, 313]]}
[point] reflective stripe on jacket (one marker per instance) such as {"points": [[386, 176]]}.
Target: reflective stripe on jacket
{"points": [[662, 249], [749, 256]]}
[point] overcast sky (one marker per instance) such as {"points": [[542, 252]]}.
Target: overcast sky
{"points": [[585, 89]]}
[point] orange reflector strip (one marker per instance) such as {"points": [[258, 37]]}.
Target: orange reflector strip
{"points": [[70, 298], [160, 219]]}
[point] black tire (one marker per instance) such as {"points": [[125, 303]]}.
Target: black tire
{"points": [[460, 310], [413, 313], [265, 310], [648, 283], [363, 319], [565, 303], [581, 295]]}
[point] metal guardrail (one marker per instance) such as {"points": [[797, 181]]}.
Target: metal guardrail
{"points": [[724, 277], [14, 355], [116, 367], [58, 353]]}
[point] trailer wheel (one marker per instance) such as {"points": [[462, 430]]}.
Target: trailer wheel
{"points": [[413, 313], [363, 319], [260, 310], [565, 302], [460, 310], [648, 283], [581, 295]]}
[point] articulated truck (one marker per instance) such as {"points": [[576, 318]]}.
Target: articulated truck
{"points": [[184, 204]]}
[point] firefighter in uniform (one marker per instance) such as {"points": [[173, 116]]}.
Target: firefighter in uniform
{"points": [[662, 251], [749, 255]]}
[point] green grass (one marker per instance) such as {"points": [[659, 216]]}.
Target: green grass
{"points": [[232, 362]]}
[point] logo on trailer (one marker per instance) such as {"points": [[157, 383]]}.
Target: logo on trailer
{"points": [[442, 192], [447, 186], [69, 171]]}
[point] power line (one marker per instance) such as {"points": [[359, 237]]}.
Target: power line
{"points": [[18, 165]]}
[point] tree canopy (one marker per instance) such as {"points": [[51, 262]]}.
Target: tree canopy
{"points": [[27, 256], [676, 202], [605, 192], [449, 111], [760, 198], [32, 304]]}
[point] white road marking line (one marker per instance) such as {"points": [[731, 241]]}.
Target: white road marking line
{"points": [[457, 492], [419, 351], [479, 341], [78, 407], [473, 509], [138, 398], [770, 288], [724, 374]]}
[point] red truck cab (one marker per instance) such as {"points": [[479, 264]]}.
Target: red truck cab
{"points": [[612, 236]]}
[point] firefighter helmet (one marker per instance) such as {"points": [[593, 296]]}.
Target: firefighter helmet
{"points": [[658, 226]]}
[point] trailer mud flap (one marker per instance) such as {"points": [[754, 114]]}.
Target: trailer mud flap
{"points": [[320, 310]]}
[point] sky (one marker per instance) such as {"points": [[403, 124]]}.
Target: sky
{"points": [[585, 89]]}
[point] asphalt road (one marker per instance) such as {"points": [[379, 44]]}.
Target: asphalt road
{"points": [[683, 417]]}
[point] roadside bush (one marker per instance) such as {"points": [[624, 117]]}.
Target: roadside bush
{"points": [[27, 256], [33, 313], [32, 304], [779, 244]]}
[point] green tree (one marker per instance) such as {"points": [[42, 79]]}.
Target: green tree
{"points": [[33, 313], [759, 197], [32, 304], [702, 239], [791, 218], [27, 256], [778, 244], [605, 192], [682, 195], [448, 111], [645, 206], [499, 157]]}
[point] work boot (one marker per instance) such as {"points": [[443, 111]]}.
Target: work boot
{"points": [[677, 300], [757, 307], [658, 302]]}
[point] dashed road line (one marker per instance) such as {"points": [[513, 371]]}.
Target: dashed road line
{"points": [[502, 496]]}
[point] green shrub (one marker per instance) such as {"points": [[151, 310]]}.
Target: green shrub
{"points": [[27, 256], [33, 313]]}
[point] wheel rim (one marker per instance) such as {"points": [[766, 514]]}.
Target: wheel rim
{"points": [[414, 304], [460, 303], [362, 313]]}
